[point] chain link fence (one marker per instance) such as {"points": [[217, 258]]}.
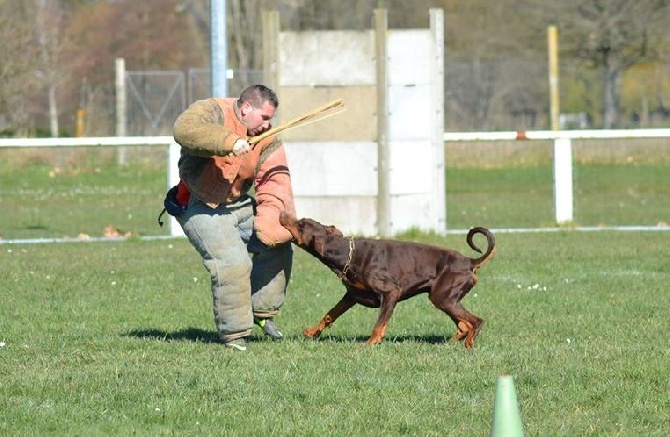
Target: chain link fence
{"points": [[156, 98], [480, 96]]}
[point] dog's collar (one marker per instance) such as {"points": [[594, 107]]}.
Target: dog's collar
{"points": [[351, 255]]}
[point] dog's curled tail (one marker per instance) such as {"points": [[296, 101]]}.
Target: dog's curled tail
{"points": [[490, 240]]}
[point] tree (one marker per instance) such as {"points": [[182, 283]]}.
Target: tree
{"points": [[149, 34], [495, 51], [494, 62], [16, 78], [613, 36], [48, 25]]}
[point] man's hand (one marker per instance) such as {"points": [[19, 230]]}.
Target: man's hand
{"points": [[241, 147]]}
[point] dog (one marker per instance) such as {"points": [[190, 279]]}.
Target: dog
{"points": [[379, 273]]}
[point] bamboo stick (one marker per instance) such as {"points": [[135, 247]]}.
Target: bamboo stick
{"points": [[312, 116]]}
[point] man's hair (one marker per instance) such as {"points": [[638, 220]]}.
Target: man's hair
{"points": [[257, 94]]}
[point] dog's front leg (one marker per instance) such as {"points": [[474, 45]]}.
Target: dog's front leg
{"points": [[340, 308], [387, 304]]}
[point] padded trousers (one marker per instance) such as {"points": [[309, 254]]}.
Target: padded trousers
{"points": [[248, 278]]}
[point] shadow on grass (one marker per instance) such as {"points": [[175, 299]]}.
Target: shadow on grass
{"points": [[204, 336], [430, 339], [188, 334]]}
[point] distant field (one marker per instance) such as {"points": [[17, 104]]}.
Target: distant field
{"points": [[605, 195], [118, 339], [510, 184], [66, 193], [69, 192]]}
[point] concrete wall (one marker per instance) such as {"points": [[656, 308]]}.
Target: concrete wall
{"points": [[334, 162]]}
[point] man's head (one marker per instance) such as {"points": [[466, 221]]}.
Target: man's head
{"points": [[257, 105]]}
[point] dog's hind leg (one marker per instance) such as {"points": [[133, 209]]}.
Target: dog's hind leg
{"points": [[448, 299], [340, 308], [462, 329], [467, 324], [468, 330]]}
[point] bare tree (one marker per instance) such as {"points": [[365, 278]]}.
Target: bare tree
{"points": [[613, 36], [48, 23], [495, 51], [244, 18], [16, 78], [199, 25], [492, 53]]}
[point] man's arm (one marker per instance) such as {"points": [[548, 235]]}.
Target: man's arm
{"points": [[200, 130], [273, 195]]}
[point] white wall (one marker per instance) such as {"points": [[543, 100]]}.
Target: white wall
{"points": [[336, 182]]}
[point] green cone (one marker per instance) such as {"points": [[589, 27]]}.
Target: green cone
{"points": [[506, 420]]}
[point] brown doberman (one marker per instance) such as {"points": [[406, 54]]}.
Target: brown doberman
{"points": [[379, 273]]}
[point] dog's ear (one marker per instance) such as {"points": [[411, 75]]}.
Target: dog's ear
{"points": [[332, 230], [319, 245]]}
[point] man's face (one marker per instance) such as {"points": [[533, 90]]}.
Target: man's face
{"points": [[257, 120]]}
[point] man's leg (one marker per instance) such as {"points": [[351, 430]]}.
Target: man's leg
{"points": [[215, 235], [270, 276]]}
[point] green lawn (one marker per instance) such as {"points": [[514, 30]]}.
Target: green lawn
{"points": [[41, 200], [523, 197], [118, 339]]}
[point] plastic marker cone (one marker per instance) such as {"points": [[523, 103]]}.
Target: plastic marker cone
{"points": [[506, 420]]}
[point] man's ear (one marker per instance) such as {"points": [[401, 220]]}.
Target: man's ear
{"points": [[245, 108]]}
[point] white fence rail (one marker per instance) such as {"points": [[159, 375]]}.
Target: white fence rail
{"points": [[86, 142], [562, 156]]}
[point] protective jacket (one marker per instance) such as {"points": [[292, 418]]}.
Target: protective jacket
{"points": [[207, 131]]}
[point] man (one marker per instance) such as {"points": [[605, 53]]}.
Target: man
{"points": [[246, 251]]}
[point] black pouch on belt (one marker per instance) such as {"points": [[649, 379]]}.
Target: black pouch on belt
{"points": [[170, 205]]}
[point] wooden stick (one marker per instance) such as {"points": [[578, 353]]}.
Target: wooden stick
{"points": [[309, 117]]}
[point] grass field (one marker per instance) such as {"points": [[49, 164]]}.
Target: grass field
{"points": [[117, 338], [83, 196], [57, 194]]}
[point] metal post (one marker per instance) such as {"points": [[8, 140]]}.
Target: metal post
{"points": [[53, 110], [121, 107], [552, 42], [383, 185], [270, 36], [563, 195], [219, 52]]}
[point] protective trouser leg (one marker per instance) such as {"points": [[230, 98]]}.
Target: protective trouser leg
{"points": [[216, 235], [270, 275]]}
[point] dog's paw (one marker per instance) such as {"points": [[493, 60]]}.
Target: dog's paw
{"points": [[311, 332]]}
